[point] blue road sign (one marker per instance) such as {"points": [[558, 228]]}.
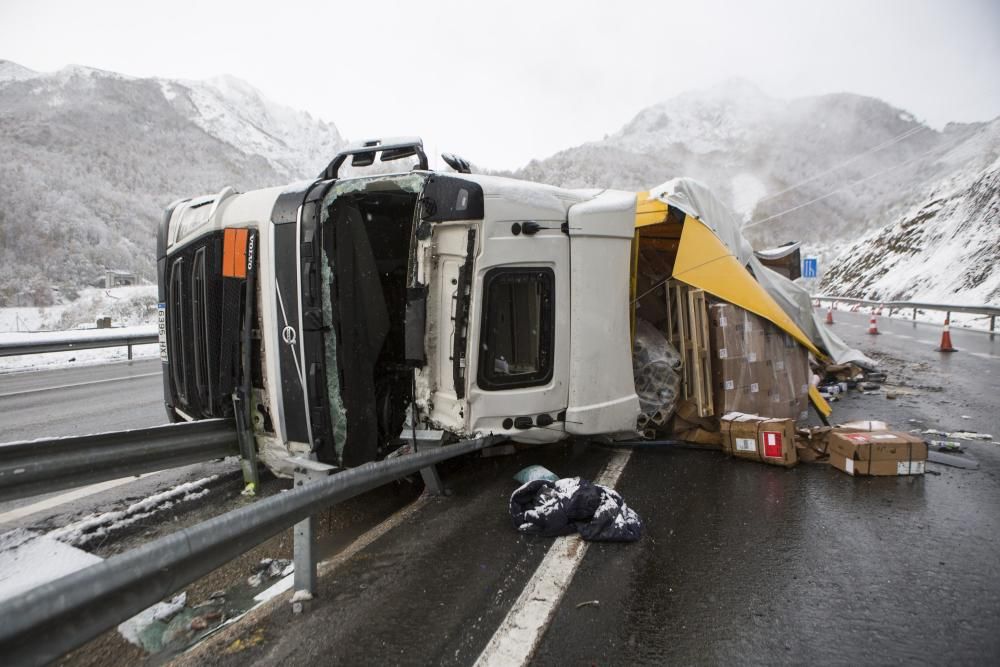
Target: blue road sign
{"points": [[809, 266]]}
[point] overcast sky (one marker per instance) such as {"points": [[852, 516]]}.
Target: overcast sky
{"points": [[504, 82]]}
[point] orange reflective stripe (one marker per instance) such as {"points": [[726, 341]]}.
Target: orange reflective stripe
{"points": [[228, 252], [234, 253], [240, 261]]}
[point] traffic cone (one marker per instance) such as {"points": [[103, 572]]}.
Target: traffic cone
{"points": [[946, 337], [873, 326], [829, 315]]}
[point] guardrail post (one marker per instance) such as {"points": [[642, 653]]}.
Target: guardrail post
{"points": [[304, 543], [993, 322], [422, 440], [914, 314], [130, 351]]}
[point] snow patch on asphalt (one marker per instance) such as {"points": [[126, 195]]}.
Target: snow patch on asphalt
{"points": [[98, 525]]}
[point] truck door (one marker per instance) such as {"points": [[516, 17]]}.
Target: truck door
{"points": [[518, 347]]}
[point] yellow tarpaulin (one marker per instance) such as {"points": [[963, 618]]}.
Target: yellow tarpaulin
{"points": [[703, 261], [819, 401]]}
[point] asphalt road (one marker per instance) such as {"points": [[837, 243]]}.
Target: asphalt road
{"points": [[81, 400], [740, 562]]}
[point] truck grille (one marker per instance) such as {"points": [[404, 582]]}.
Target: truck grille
{"points": [[203, 329]]}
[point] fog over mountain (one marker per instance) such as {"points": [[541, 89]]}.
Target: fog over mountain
{"points": [[825, 170], [90, 158]]}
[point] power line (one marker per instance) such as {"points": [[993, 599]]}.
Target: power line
{"points": [[885, 144], [845, 187]]}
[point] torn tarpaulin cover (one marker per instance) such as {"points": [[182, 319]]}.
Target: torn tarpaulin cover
{"points": [[570, 505]]}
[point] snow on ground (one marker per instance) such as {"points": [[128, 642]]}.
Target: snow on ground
{"points": [[98, 525], [126, 306], [132, 311], [958, 320], [91, 357], [28, 560]]}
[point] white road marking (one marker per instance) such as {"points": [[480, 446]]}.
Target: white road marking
{"points": [[79, 384], [904, 336], [518, 635], [69, 496], [984, 355]]}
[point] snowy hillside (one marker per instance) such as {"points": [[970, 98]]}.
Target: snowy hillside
{"points": [[827, 167], [89, 159], [297, 145], [945, 249]]}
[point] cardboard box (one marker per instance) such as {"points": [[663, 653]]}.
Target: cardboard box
{"points": [[877, 452], [756, 367], [757, 438]]}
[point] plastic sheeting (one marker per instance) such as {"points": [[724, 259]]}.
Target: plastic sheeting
{"points": [[655, 365], [697, 201]]}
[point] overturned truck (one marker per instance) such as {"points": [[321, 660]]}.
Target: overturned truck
{"points": [[337, 318]]}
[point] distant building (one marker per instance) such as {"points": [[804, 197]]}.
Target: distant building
{"points": [[114, 278]]}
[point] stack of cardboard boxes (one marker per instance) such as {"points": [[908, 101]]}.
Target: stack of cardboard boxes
{"points": [[760, 379], [756, 367]]}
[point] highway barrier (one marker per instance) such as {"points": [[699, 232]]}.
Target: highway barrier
{"points": [[64, 341], [42, 466], [948, 308], [54, 618]]}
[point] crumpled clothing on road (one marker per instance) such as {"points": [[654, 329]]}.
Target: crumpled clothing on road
{"points": [[573, 505]]}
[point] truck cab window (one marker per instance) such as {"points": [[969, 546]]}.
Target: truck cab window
{"points": [[517, 327]]}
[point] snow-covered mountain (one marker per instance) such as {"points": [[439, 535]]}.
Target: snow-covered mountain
{"points": [[825, 170], [89, 158], [296, 144], [946, 248], [765, 156]]}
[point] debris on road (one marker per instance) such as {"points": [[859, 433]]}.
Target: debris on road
{"points": [[758, 438], [970, 435], [533, 472], [944, 445], [569, 505], [589, 603], [952, 460], [877, 453]]}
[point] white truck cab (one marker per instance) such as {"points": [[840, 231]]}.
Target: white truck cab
{"points": [[334, 316]]}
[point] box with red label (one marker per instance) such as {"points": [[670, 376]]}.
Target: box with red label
{"points": [[759, 438], [877, 453]]}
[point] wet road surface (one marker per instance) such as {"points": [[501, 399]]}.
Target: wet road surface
{"points": [[77, 401], [741, 562]]}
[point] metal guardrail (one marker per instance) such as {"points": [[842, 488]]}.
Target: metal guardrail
{"points": [[56, 617], [991, 311], [69, 343], [41, 466]]}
